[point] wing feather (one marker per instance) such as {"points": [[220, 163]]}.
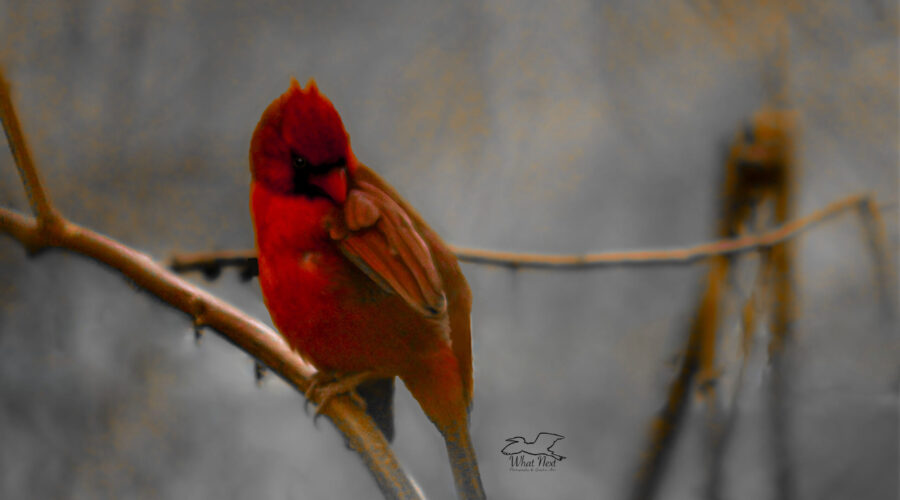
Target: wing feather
{"points": [[459, 298], [383, 242]]}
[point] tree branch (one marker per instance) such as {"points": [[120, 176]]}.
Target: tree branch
{"points": [[885, 274], [40, 202], [51, 230], [211, 263]]}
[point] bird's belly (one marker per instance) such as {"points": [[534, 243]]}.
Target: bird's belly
{"points": [[337, 318]]}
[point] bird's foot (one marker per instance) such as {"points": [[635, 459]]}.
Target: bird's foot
{"points": [[325, 386]]}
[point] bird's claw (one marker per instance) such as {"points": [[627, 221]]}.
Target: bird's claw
{"points": [[319, 378], [325, 386]]}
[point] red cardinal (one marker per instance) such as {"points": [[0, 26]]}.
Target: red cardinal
{"points": [[354, 279]]}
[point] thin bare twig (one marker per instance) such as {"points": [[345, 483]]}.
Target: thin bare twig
{"points": [[31, 179], [885, 275], [665, 425], [212, 262], [759, 166], [248, 334], [722, 432], [665, 256]]}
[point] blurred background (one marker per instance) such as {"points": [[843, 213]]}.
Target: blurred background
{"points": [[558, 127]]}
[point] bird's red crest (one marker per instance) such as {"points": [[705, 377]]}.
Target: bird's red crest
{"points": [[301, 122]]}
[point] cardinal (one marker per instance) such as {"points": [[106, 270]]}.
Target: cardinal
{"points": [[355, 280]]}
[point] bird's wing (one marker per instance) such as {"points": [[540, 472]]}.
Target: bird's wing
{"points": [[459, 298], [381, 240]]}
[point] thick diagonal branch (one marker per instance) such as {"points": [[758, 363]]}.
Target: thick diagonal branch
{"points": [[51, 230]]}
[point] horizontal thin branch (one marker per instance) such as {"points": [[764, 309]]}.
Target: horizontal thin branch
{"points": [[664, 256], [211, 263]]}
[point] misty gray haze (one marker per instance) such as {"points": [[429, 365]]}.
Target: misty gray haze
{"points": [[566, 127]]}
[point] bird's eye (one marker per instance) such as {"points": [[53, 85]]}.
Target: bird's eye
{"points": [[298, 161]]}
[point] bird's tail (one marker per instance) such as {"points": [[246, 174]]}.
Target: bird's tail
{"points": [[436, 384], [464, 464], [379, 397]]}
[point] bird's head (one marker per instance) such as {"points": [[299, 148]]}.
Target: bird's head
{"points": [[300, 146]]}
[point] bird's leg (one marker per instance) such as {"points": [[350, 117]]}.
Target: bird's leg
{"points": [[326, 386], [319, 378]]}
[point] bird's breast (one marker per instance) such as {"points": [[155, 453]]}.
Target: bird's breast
{"points": [[323, 304]]}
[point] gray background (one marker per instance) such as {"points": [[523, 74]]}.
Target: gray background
{"points": [[565, 126]]}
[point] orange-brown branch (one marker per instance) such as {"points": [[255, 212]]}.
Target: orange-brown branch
{"points": [[885, 274], [203, 261], [665, 424], [31, 179]]}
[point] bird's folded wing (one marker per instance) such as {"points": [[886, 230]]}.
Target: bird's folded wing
{"points": [[382, 241]]}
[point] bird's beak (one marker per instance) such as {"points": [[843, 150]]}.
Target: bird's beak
{"points": [[333, 182]]}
